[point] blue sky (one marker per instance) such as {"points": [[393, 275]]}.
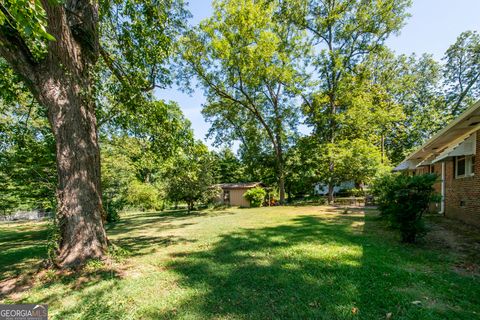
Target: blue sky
{"points": [[432, 28]]}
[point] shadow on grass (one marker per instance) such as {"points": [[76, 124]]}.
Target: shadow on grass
{"points": [[23, 247], [316, 268], [165, 220], [269, 273], [95, 300], [141, 245], [275, 273], [139, 233], [20, 250]]}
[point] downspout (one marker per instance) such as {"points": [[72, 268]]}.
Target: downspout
{"points": [[442, 203]]}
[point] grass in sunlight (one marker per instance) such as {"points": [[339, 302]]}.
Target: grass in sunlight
{"points": [[266, 263]]}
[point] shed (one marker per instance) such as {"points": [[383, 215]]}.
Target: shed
{"points": [[232, 193]]}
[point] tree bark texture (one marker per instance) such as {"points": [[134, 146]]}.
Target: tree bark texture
{"points": [[62, 82]]}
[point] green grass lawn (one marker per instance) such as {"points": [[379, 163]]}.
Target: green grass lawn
{"points": [[267, 263]]}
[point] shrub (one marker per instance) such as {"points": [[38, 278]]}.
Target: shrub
{"points": [[322, 201], [403, 200], [112, 209], [143, 196], [53, 241], [255, 196], [352, 192]]}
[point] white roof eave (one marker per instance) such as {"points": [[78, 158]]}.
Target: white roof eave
{"points": [[455, 123], [464, 147]]}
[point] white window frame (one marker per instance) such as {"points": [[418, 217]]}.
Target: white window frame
{"points": [[469, 170]]}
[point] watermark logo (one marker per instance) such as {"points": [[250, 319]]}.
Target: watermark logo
{"points": [[23, 312]]}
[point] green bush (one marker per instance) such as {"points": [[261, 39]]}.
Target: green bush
{"points": [[255, 196], [112, 208], [53, 241], [403, 200], [143, 196], [352, 192], [322, 201]]}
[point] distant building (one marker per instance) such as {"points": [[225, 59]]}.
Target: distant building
{"points": [[322, 189], [451, 154], [232, 193]]}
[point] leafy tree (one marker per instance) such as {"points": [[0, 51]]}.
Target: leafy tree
{"points": [[353, 160], [256, 196], [344, 34], [190, 176], [27, 148], [462, 72], [301, 167], [397, 102], [422, 102], [135, 154], [404, 199], [118, 172], [54, 47], [142, 195], [229, 167], [247, 58]]}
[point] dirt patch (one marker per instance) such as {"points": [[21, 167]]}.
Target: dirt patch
{"points": [[13, 288], [460, 239]]}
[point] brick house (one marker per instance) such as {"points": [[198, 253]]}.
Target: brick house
{"points": [[451, 153]]}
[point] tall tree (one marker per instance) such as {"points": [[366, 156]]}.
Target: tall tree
{"points": [[191, 176], [54, 46], [247, 60], [228, 167], [345, 32], [399, 101], [462, 72]]}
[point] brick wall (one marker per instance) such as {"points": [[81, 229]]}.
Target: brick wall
{"points": [[462, 196]]}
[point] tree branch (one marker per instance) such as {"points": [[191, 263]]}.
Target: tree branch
{"points": [[14, 49], [121, 75], [464, 93]]}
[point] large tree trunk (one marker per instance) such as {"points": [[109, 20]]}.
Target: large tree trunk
{"points": [[62, 82], [80, 213]]}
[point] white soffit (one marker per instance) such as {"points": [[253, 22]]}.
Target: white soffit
{"points": [[427, 161], [463, 148], [407, 165], [467, 123]]}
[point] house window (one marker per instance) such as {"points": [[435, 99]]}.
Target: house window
{"points": [[465, 166], [460, 167]]}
